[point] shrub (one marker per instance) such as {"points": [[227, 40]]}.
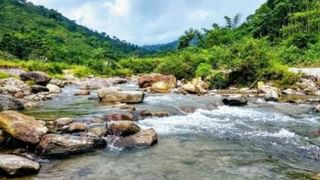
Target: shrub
{"points": [[203, 70], [139, 65], [218, 80], [82, 71], [51, 68], [123, 72]]}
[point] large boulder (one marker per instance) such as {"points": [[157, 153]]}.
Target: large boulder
{"points": [[149, 79], [238, 100], [60, 145], [123, 128], [142, 139], [22, 127], [109, 95], [10, 103], [13, 166], [160, 87], [196, 86], [38, 77], [54, 88]]}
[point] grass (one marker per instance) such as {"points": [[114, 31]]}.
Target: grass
{"points": [[54, 69], [4, 75]]}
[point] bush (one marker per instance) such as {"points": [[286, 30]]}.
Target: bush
{"points": [[51, 68], [139, 65], [183, 64], [218, 80], [82, 71], [123, 72], [203, 70]]}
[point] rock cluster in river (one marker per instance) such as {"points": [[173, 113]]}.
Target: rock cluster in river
{"points": [[62, 137], [33, 87]]}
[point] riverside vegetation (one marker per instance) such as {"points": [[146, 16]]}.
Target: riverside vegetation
{"points": [[98, 92], [279, 34]]}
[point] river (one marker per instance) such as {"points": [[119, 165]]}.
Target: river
{"points": [[259, 141]]}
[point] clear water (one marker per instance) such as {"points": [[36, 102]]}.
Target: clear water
{"points": [[259, 141]]}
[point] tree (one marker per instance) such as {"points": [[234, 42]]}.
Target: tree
{"points": [[185, 40]]}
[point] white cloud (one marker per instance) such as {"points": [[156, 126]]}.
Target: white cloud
{"points": [[149, 21]]}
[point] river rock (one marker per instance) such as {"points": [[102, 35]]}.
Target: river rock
{"points": [[126, 107], [77, 127], [54, 88], [149, 79], [142, 139], [22, 127], [235, 101], [119, 116], [38, 88], [82, 93], [60, 145], [10, 103], [317, 109], [146, 113], [160, 87], [29, 104], [109, 95], [95, 83], [288, 92], [196, 86], [123, 128], [12, 165], [63, 121], [118, 80], [38, 77], [271, 93], [98, 131], [58, 82]]}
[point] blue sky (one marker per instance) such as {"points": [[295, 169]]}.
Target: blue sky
{"points": [[149, 21]]}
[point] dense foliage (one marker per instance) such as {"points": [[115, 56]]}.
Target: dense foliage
{"points": [[34, 32], [281, 33]]}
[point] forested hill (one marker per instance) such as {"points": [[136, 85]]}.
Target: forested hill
{"points": [[35, 32], [281, 33]]}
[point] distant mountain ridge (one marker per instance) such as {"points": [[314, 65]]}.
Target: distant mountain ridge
{"points": [[162, 47]]}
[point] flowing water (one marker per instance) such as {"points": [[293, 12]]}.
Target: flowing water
{"points": [[259, 141]]}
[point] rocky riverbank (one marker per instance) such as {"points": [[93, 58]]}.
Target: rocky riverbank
{"points": [[27, 141]]}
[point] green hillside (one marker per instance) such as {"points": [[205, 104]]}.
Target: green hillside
{"points": [[279, 34], [35, 32]]}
